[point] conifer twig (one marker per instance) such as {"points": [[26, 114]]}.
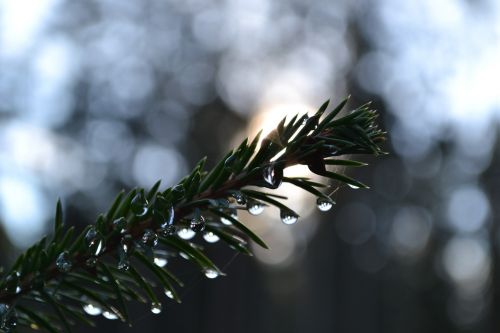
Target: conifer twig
{"points": [[69, 278]]}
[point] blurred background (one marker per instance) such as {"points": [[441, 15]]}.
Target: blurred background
{"points": [[96, 96]]}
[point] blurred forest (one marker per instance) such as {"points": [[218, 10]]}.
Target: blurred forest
{"points": [[101, 95]]}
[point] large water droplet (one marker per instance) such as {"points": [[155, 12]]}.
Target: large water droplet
{"points": [[120, 224], [272, 176], [94, 242], [197, 223], [109, 315], [139, 205], [169, 293], [255, 207], [186, 233], [63, 262], [240, 198], [211, 273], [149, 238], [156, 308], [92, 309], [324, 204], [288, 217], [210, 237]]}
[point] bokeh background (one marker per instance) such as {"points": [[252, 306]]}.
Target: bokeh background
{"points": [[96, 96]]}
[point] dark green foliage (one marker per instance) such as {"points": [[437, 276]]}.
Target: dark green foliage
{"points": [[68, 277]]}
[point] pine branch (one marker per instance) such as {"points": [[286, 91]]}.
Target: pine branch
{"points": [[69, 278]]}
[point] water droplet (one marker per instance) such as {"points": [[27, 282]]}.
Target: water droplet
{"points": [[197, 223], [8, 318], [92, 309], [240, 198], [226, 221], [139, 205], [109, 315], [167, 226], [160, 262], [255, 207], [91, 262], [169, 293], [94, 242], [124, 251], [353, 186], [149, 238], [211, 273], [63, 262], [272, 176], [120, 224], [304, 120], [156, 308], [324, 204], [124, 264], [210, 237], [230, 162], [34, 326], [186, 233], [4, 311], [12, 283], [288, 217], [161, 258]]}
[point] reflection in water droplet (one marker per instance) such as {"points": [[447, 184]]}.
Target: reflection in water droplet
{"points": [[149, 238], [210, 237], [92, 310], [197, 223], [324, 204], [63, 262], [211, 273], [288, 217], [109, 315], [186, 233], [254, 207], [353, 186], [169, 293], [184, 255], [156, 308]]}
